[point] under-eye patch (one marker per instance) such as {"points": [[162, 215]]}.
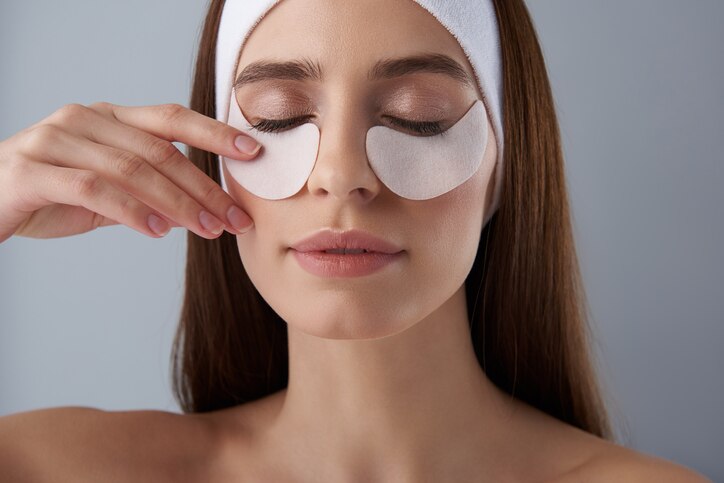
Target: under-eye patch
{"points": [[285, 162], [423, 167], [413, 167]]}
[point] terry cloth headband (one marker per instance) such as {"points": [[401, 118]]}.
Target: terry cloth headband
{"points": [[473, 23]]}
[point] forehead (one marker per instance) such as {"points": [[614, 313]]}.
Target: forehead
{"points": [[348, 36]]}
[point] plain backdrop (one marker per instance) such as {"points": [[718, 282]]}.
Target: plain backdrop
{"points": [[88, 320]]}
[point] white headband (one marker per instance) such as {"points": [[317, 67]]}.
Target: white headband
{"points": [[472, 22]]}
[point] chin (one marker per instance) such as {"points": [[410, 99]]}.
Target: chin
{"points": [[346, 323]]}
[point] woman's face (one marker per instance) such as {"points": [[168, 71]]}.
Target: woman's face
{"points": [[439, 236]]}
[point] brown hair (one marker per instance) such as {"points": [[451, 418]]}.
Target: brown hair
{"points": [[525, 297]]}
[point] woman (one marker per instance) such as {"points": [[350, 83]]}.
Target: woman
{"points": [[285, 374]]}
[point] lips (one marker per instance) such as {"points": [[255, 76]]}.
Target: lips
{"points": [[345, 242], [338, 255]]}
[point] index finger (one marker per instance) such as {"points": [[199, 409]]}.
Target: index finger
{"points": [[174, 122]]}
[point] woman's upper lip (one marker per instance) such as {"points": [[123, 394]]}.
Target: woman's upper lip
{"points": [[329, 239]]}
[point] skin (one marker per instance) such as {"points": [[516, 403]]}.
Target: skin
{"points": [[392, 350], [384, 384]]}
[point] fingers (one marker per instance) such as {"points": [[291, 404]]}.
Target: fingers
{"points": [[174, 122], [169, 161], [119, 164], [78, 187], [135, 176]]}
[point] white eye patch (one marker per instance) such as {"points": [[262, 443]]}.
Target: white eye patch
{"points": [[423, 167], [285, 162], [413, 167]]}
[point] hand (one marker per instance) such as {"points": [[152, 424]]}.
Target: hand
{"points": [[89, 166]]}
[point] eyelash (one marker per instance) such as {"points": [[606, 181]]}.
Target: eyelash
{"points": [[429, 128]]}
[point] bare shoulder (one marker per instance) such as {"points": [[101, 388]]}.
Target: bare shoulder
{"points": [[82, 443], [562, 453], [613, 462]]}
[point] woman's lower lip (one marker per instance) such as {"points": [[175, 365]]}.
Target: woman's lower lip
{"points": [[338, 265]]}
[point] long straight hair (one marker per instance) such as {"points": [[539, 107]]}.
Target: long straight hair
{"points": [[528, 312]]}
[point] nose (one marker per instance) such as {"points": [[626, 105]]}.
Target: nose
{"points": [[342, 170]]}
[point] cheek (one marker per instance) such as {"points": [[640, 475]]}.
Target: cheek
{"points": [[259, 247], [268, 215], [449, 229], [453, 222]]}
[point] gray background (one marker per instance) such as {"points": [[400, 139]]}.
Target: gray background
{"points": [[88, 320]]}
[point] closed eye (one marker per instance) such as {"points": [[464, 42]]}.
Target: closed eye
{"points": [[424, 128], [427, 128], [274, 125]]}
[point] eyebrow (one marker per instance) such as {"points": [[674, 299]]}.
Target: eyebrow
{"points": [[306, 69]]}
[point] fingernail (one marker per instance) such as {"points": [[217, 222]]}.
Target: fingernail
{"points": [[246, 145], [211, 223], [238, 219], [158, 225]]}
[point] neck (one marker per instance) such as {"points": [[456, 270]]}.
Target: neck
{"points": [[403, 402]]}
